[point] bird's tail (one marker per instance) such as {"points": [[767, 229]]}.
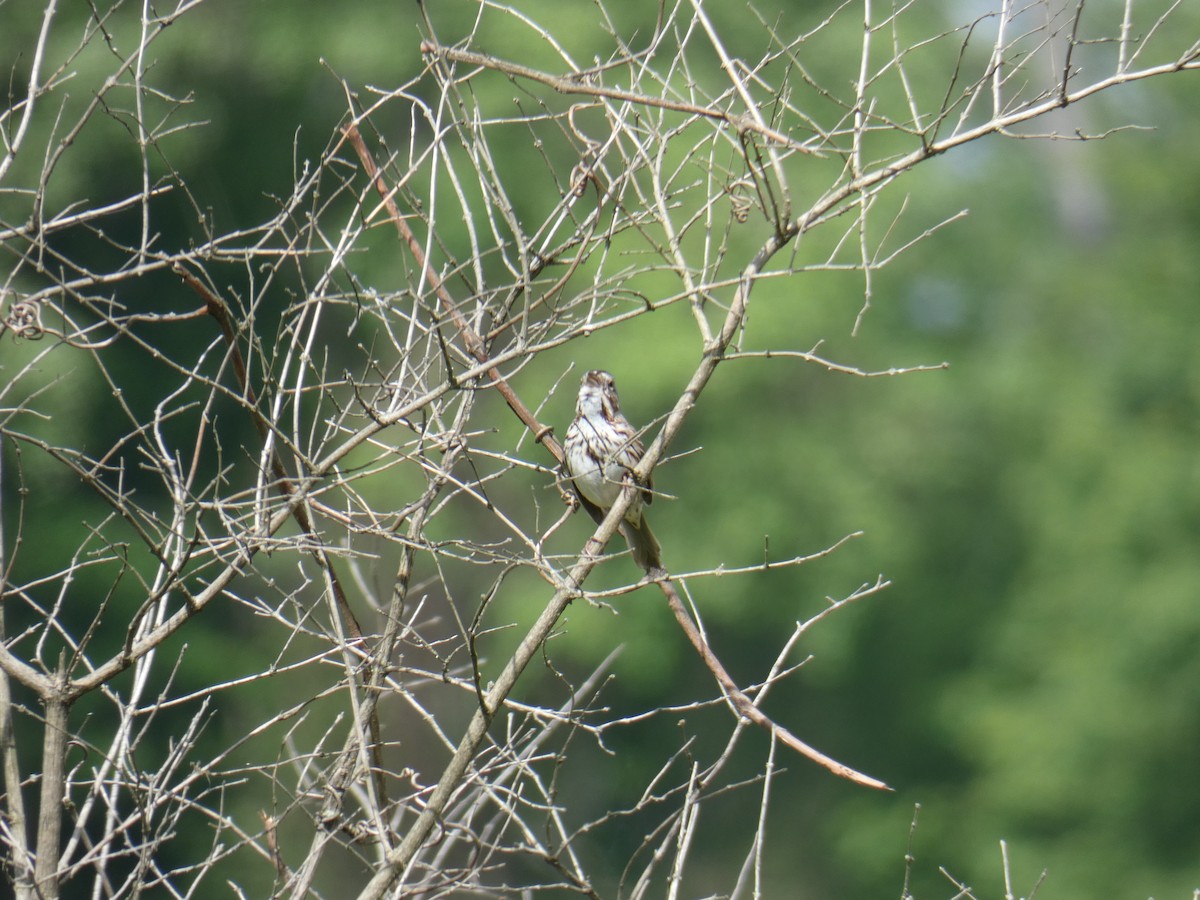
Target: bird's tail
{"points": [[644, 545]]}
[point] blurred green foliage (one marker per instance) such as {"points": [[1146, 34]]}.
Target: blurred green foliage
{"points": [[1033, 673]]}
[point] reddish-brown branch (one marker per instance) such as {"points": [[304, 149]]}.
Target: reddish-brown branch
{"points": [[744, 706], [474, 343]]}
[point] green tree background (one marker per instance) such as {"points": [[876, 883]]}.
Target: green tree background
{"points": [[1033, 672]]}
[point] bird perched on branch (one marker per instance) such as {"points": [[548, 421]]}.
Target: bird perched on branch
{"points": [[600, 451]]}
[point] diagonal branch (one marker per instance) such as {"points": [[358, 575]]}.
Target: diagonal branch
{"points": [[474, 343]]}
